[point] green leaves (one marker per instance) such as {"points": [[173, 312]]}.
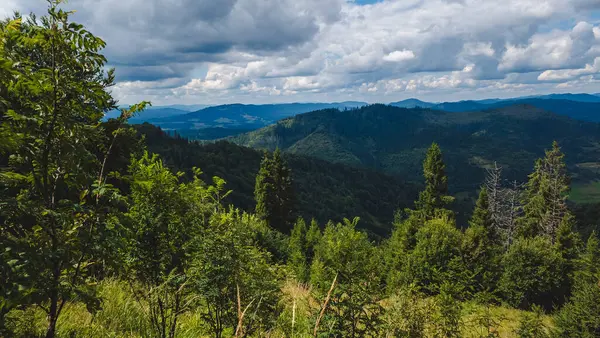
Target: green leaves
{"points": [[54, 92]]}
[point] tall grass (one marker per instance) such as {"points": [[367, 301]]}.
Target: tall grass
{"points": [[122, 316]]}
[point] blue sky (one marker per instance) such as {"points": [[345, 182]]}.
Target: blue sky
{"points": [[367, 2], [257, 51]]}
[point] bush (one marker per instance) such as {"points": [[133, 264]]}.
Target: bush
{"points": [[532, 273], [532, 324], [436, 257], [581, 316]]}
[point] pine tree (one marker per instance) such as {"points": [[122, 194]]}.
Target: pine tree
{"points": [[274, 192], [588, 263], [546, 195], [435, 196]]}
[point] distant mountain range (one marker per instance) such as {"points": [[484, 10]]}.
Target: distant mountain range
{"points": [[584, 107], [158, 112], [211, 122], [413, 103], [242, 116], [394, 140]]}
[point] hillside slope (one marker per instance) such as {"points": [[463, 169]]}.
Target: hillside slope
{"points": [[394, 140]]}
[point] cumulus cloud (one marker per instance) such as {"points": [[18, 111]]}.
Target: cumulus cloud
{"points": [[234, 50], [570, 74], [399, 56]]}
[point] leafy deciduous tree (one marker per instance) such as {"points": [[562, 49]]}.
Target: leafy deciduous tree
{"points": [[56, 204]]}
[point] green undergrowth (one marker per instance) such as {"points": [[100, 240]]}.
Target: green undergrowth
{"points": [[124, 316]]}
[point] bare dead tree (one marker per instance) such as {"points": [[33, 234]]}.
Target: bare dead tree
{"points": [[512, 209], [505, 205]]}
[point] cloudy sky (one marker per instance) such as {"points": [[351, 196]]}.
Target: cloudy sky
{"points": [[265, 51]]}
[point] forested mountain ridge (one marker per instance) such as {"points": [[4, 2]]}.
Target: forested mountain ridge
{"points": [[243, 116], [394, 140]]}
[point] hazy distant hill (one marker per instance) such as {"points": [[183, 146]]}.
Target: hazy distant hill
{"points": [[394, 140], [412, 103], [242, 116], [585, 111], [157, 112], [572, 97], [584, 107]]}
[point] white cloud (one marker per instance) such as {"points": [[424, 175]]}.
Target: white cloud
{"points": [[250, 50], [569, 74], [399, 56]]}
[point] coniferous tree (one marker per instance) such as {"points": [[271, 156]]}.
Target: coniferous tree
{"points": [[568, 244], [435, 196], [546, 195], [580, 317], [482, 216], [481, 247], [274, 192], [448, 322]]}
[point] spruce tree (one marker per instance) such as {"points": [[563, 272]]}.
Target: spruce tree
{"points": [[264, 190], [546, 195], [435, 196], [568, 244], [581, 316], [481, 215], [274, 192], [481, 247], [285, 191]]}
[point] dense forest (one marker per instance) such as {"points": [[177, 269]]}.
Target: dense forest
{"points": [[102, 237], [339, 189], [393, 140]]}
